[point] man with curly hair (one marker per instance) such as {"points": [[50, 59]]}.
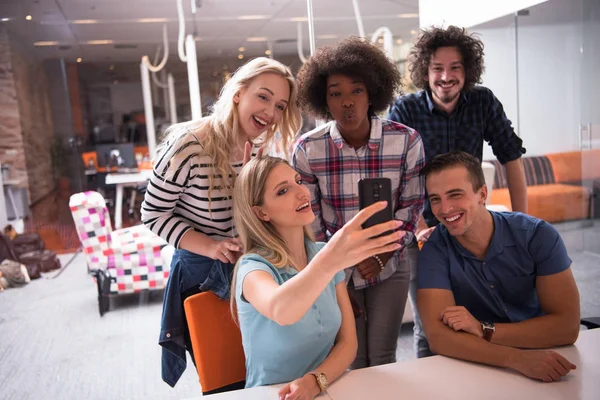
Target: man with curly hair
{"points": [[349, 84], [452, 112]]}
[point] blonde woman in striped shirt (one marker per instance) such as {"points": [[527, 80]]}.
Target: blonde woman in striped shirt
{"points": [[188, 201]]}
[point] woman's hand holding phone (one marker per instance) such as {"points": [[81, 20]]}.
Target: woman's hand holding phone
{"points": [[352, 244]]}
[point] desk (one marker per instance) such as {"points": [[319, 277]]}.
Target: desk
{"points": [[445, 378], [121, 181]]}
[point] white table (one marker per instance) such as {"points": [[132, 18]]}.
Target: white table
{"points": [[445, 378], [121, 181]]}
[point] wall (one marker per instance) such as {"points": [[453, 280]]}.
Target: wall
{"points": [[26, 123], [127, 97], [10, 118], [37, 130], [467, 12], [56, 71], [552, 89]]}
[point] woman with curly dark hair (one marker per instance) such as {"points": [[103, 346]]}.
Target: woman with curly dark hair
{"points": [[349, 84], [452, 112]]}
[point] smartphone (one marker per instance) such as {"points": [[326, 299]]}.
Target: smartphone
{"points": [[373, 190]]}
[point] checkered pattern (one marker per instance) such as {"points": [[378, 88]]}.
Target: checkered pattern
{"points": [[331, 169], [131, 256]]}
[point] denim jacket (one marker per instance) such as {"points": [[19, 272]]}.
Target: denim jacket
{"points": [[190, 274]]}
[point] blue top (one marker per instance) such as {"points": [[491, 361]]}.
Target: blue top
{"points": [[501, 288], [275, 353], [478, 116]]}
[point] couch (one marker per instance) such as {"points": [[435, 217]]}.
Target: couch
{"points": [[560, 186]]}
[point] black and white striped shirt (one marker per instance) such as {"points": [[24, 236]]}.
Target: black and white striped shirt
{"points": [[173, 206]]}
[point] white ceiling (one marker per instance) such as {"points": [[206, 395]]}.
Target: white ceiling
{"points": [[218, 25]]}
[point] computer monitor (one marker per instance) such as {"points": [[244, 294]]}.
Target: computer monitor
{"points": [[118, 155]]}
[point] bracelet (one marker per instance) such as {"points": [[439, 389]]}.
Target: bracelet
{"points": [[376, 257]]}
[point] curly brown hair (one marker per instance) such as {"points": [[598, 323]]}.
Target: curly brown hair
{"points": [[469, 46], [354, 57]]}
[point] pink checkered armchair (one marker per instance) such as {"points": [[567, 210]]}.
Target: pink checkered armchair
{"points": [[123, 261]]}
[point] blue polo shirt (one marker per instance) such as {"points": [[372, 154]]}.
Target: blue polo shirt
{"points": [[500, 288], [275, 353]]}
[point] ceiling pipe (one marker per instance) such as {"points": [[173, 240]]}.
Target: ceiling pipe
{"points": [[359, 22], [148, 112], [172, 104], [186, 49], [145, 68], [181, 34], [154, 77], [194, 82], [163, 62], [311, 38], [388, 40], [311, 27], [300, 44]]}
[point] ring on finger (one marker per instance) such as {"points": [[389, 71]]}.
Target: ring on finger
{"points": [[225, 254]]}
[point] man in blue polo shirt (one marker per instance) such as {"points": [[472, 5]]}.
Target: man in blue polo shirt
{"points": [[492, 284]]}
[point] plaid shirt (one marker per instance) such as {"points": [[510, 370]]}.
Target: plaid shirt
{"points": [[331, 169], [478, 116]]}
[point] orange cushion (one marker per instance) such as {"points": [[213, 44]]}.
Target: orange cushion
{"points": [[552, 203], [575, 166], [216, 341]]}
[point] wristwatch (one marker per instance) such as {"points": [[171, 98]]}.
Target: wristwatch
{"points": [[321, 380], [488, 330]]}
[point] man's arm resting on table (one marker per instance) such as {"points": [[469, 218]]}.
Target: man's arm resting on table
{"points": [[547, 366], [445, 341], [559, 299], [517, 185]]}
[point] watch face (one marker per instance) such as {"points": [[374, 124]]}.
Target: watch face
{"points": [[488, 326], [323, 379]]}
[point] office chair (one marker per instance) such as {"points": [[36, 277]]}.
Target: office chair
{"points": [[216, 343]]}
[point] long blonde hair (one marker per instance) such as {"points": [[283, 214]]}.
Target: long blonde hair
{"points": [[219, 131], [258, 236]]}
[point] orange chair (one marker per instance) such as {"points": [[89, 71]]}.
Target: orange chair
{"points": [[216, 343], [90, 160]]}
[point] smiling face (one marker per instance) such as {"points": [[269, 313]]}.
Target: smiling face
{"points": [[446, 76], [453, 200], [262, 103], [348, 104], [286, 201]]}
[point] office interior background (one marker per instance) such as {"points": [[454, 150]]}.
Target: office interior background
{"points": [[71, 82]]}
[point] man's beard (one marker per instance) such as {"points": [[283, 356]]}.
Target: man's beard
{"points": [[448, 98]]}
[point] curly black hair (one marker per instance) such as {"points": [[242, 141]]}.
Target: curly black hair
{"points": [[469, 46], [354, 57]]}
